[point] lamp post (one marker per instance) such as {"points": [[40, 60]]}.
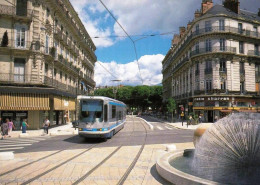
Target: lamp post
{"points": [[115, 88]]}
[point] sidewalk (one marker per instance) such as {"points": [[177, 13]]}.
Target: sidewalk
{"points": [[179, 125], [59, 130]]}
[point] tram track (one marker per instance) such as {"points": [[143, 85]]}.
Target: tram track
{"points": [[128, 171], [82, 178]]}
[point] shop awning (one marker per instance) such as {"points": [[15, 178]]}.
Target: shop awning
{"points": [[64, 103], [24, 101], [225, 110]]}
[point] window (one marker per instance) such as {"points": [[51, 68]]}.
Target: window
{"points": [[91, 111], [208, 85], [21, 7], [46, 69], [20, 37], [241, 47], [208, 45], [113, 111], [222, 25], [222, 43], [61, 49], [255, 31], [56, 46], [47, 12], [257, 70], [240, 28], [197, 47], [47, 44], [222, 66], [66, 77], [256, 50], [60, 75], [105, 113], [223, 85], [197, 71], [242, 87], [197, 29], [55, 73], [242, 67], [207, 26], [208, 65]]}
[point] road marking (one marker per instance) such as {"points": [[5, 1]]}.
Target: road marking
{"points": [[14, 145], [1, 149], [169, 128], [160, 128]]}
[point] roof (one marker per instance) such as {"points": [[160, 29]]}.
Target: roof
{"points": [[220, 9]]}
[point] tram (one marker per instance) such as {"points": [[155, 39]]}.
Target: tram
{"points": [[100, 117]]}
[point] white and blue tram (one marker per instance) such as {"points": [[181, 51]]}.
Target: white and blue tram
{"points": [[100, 117]]}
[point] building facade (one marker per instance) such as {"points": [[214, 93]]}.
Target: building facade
{"points": [[47, 58], [213, 66]]}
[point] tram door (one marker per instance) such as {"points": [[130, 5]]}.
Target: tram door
{"points": [[105, 113]]}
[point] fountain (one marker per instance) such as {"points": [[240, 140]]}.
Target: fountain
{"points": [[227, 153]]}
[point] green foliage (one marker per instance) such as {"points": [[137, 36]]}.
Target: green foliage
{"points": [[137, 98], [171, 105], [4, 42]]}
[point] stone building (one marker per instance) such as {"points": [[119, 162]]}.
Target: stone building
{"points": [[49, 59], [213, 66]]}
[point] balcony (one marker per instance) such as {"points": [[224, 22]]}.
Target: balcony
{"points": [[184, 61], [208, 71], [222, 70], [7, 10], [213, 50], [253, 53], [64, 63], [15, 44]]}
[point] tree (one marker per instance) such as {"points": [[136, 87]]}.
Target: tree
{"points": [[4, 42], [171, 106]]}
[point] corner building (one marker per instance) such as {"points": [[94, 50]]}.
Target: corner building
{"points": [[49, 60], [213, 66]]}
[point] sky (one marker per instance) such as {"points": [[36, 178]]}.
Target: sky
{"points": [[116, 53]]}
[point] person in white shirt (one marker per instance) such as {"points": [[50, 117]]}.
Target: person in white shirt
{"points": [[46, 125]]}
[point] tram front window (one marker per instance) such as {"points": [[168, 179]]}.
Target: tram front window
{"points": [[91, 111]]}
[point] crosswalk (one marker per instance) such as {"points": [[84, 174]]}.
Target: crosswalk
{"points": [[12, 144], [162, 127]]}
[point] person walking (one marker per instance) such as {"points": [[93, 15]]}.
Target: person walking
{"points": [[1, 122], [200, 119], [46, 125], [10, 127], [5, 129], [24, 126], [216, 118]]}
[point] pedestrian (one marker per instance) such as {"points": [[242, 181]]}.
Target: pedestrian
{"points": [[200, 119], [190, 119], [216, 118], [5, 129], [10, 127], [46, 125], [24, 126]]}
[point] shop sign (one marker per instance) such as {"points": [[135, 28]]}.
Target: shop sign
{"points": [[190, 103], [180, 105], [66, 103], [218, 98], [21, 114], [199, 99], [7, 114]]}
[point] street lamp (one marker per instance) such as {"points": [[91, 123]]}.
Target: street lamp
{"points": [[115, 88]]}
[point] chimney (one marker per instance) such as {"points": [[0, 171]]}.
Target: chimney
{"points": [[188, 25], [259, 12], [233, 5], [206, 5], [175, 40], [182, 31], [197, 14]]}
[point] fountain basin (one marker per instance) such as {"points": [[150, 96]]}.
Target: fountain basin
{"points": [[174, 175]]}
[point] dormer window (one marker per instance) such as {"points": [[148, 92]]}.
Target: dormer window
{"points": [[222, 25], [208, 26]]}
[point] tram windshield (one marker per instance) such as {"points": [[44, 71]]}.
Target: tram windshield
{"points": [[91, 111]]}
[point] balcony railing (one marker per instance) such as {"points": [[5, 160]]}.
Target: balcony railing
{"points": [[253, 52], [184, 61], [215, 29], [11, 11], [223, 70], [213, 50], [208, 71], [18, 44]]}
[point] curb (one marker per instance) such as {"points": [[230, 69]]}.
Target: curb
{"points": [[149, 124]]}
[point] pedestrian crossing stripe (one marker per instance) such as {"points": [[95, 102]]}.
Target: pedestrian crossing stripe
{"points": [[5, 145], [169, 128], [8, 149], [160, 128]]}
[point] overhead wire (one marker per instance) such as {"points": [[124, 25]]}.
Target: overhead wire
{"points": [[128, 37]]}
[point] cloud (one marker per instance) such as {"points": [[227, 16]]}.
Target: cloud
{"points": [[150, 68]]}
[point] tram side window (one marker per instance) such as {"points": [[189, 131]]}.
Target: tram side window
{"points": [[105, 113], [113, 111], [120, 115]]}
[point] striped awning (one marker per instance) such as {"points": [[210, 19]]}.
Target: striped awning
{"points": [[24, 101]]}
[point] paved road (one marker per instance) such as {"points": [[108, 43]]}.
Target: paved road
{"points": [[128, 158]]}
